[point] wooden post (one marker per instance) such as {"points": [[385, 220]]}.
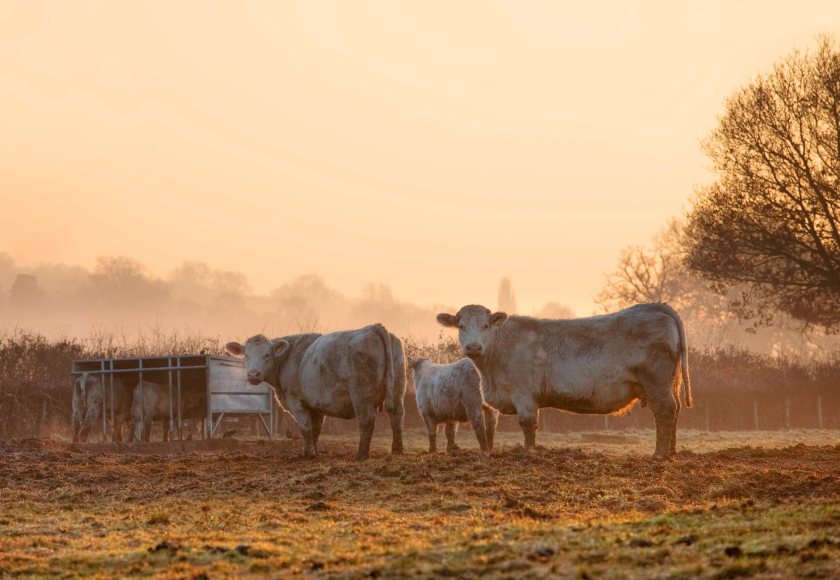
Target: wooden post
{"points": [[787, 413], [819, 412], [755, 414]]}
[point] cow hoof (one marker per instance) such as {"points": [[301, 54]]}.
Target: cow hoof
{"points": [[361, 457], [662, 456]]}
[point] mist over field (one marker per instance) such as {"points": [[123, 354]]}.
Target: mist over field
{"points": [[121, 297]]}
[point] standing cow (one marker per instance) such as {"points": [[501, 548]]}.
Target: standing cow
{"points": [[89, 393], [451, 394], [87, 406], [600, 365], [345, 374]]}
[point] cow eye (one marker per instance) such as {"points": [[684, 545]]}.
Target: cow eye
{"points": [[266, 356], [462, 327], [485, 326]]}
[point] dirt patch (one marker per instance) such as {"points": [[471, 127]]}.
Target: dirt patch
{"points": [[187, 508]]}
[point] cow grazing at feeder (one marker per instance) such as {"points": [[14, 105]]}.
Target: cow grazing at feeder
{"points": [[347, 374], [87, 406], [157, 408], [89, 394], [601, 364], [451, 394]]}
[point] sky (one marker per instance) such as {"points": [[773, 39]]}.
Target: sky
{"points": [[431, 146]]}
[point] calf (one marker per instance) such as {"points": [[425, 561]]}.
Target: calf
{"points": [[451, 394]]}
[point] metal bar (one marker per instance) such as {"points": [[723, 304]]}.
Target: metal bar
{"points": [[113, 418], [104, 419], [142, 407], [171, 423], [216, 426], [148, 369], [209, 398], [262, 420], [180, 422]]}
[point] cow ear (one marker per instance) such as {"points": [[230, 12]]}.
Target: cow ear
{"points": [[449, 320], [412, 362], [235, 349], [497, 318], [280, 346]]}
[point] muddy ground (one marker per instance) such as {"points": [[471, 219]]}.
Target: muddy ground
{"points": [[582, 505]]}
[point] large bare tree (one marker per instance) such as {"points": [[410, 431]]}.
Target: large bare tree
{"points": [[771, 221]]}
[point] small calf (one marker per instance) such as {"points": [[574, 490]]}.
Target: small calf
{"points": [[451, 394]]}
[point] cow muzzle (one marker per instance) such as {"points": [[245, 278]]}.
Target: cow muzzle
{"points": [[255, 378], [473, 350]]}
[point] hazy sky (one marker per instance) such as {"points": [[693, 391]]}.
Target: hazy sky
{"points": [[432, 146]]}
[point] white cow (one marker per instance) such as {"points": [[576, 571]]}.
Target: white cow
{"points": [[451, 394], [602, 364]]}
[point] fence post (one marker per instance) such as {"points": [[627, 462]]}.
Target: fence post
{"points": [[787, 413], [755, 414], [819, 412]]}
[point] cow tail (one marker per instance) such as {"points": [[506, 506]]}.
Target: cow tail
{"points": [[390, 383], [686, 380]]}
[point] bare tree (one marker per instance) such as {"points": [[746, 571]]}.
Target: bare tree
{"points": [[771, 221], [653, 274]]}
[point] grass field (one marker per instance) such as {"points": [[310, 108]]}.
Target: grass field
{"points": [[581, 505]]}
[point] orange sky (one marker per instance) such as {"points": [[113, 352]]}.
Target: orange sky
{"points": [[432, 146]]}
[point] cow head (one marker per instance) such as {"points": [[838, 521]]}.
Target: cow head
{"points": [[477, 328], [260, 356]]}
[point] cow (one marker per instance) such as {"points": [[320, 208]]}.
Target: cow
{"points": [[600, 365], [87, 406], [88, 396], [346, 374], [156, 408], [451, 394]]}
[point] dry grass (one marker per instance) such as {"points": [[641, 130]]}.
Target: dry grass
{"points": [[581, 505]]}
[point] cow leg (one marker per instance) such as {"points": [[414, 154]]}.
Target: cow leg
{"points": [[431, 428], [166, 430], [674, 431], [491, 417], [396, 417], [367, 418], [303, 417], [527, 412], [76, 430], [665, 414], [317, 423], [451, 429], [477, 421]]}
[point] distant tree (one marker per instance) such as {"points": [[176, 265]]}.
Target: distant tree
{"points": [[25, 292], [507, 297], [554, 310], [771, 221]]}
